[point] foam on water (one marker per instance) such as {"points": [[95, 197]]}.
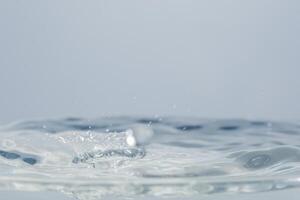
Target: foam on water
{"points": [[129, 157]]}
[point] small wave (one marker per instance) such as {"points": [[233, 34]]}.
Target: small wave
{"points": [[149, 156]]}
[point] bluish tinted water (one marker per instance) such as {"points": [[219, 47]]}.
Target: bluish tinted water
{"points": [[135, 157]]}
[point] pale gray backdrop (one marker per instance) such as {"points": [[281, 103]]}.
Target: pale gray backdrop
{"points": [[216, 59]]}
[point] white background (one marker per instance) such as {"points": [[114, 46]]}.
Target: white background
{"points": [[211, 59]]}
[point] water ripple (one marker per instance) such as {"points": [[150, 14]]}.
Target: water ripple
{"points": [[89, 159]]}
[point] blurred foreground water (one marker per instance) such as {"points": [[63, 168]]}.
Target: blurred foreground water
{"points": [[149, 158]]}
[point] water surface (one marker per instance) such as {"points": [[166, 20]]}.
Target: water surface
{"points": [[149, 157]]}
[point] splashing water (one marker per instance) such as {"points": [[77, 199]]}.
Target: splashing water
{"points": [[129, 157]]}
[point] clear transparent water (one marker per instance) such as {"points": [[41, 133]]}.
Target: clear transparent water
{"points": [[143, 157]]}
